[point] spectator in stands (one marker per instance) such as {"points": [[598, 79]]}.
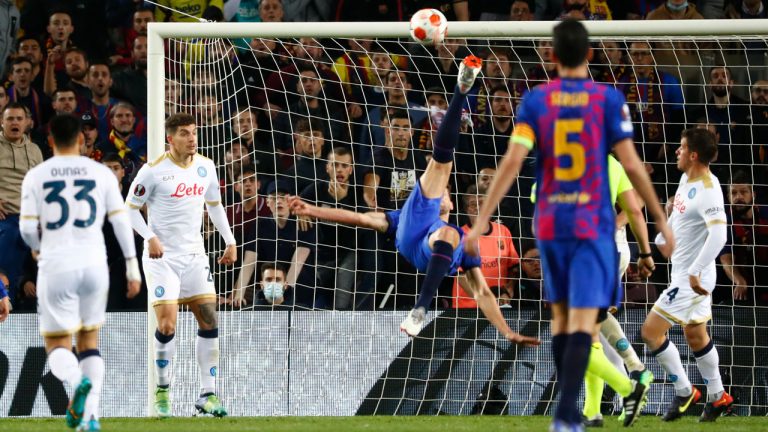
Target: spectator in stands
{"points": [[126, 138], [21, 91], [655, 100], [308, 167], [9, 28], [489, 142], [3, 98], [437, 104], [759, 120], [142, 16], [363, 69], [271, 11], [64, 101], [274, 288], [497, 71], [314, 102], [130, 84], [29, 47], [396, 89], [193, 11], [18, 154], [746, 252], [212, 130], [92, 146], [746, 9], [395, 168], [530, 286], [760, 92], [593, 10], [497, 251], [337, 245], [59, 30], [76, 68], [245, 127], [99, 80], [611, 65], [521, 11], [728, 113], [539, 73], [675, 10], [279, 240]]}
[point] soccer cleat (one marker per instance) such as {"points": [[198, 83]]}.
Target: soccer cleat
{"points": [[92, 425], [561, 426], [594, 422], [713, 410], [210, 404], [468, 71], [162, 403], [635, 402], [77, 404], [680, 405], [413, 322]]}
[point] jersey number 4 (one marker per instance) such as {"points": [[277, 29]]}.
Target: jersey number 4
{"points": [[54, 196], [571, 149]]}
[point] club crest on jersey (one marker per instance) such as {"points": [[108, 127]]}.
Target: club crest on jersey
{"points": [[202, 172], [159, 291], [691, 193], [140, 190]]}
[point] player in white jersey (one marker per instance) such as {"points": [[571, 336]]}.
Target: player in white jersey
{"points": [[699, 225], [175, 188], [68, 197]]}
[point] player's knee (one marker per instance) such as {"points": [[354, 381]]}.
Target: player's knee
{"points": [[651, 337], [166, 327], [448, 235], [695, 337]]}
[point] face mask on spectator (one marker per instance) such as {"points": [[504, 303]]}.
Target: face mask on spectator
{"points": [[273, 291], [677, 7]]}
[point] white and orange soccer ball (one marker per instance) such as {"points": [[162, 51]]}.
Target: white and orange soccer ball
{"points": [[428, 26]]}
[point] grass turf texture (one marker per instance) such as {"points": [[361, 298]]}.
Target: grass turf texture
{"points": [[383, 424]]}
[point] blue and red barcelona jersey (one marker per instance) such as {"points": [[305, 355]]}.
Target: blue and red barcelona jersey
{"points": [[574, 123]]}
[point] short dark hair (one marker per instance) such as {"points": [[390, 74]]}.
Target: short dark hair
{"points": [[63, 90], [570, 41], [65, 128], [309, 125], [26, 38], [15, 105], [99, 63], [498, 88], [246, 169], [340, 151], [703, 142], [741, 177], [76, 51], [272, 266], [20, 60], [472, 190], [398, 113], [112, 157], [721, 66], [173, 122]]}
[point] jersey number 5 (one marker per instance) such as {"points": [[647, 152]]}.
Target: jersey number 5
{"points": [[574, 150], [54, 196]]}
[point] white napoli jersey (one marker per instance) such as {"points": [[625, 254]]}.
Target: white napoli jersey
{"points": [[175, 196], [698, 204], [70, 195]]}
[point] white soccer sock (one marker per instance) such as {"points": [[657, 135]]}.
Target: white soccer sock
{"points": [[165, 348], [92, 366], [611, 329], [612, 355], [669, 358], [708, 362], [207, 350], [64, 366]]}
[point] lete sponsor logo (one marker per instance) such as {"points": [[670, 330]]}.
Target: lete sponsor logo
{"points": [[182, 190]]}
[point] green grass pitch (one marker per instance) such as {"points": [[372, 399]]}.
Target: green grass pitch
{"points": [[379, 424]]}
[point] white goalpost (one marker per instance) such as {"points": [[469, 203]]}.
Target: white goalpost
{"points": [[351, 359]]}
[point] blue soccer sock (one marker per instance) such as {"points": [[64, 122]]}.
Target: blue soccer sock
{"points": [[559, 342], [577, 352], [448, 133], [437, 269]]}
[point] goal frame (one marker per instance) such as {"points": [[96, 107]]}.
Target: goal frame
{"points": [[157, 32]]}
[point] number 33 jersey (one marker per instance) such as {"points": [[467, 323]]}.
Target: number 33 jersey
{"points": [[70, 196], [574, 124], [175, 196]]}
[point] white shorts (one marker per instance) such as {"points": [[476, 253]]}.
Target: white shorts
{"points": [[72, 301], [178, 279], [679, 304]]}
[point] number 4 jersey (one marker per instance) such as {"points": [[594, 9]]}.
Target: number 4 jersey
{"points": [[574, 123], [70, 196]]}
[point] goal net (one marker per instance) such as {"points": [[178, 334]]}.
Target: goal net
{"points": [[317, 110]]}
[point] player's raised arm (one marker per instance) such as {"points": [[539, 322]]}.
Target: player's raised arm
{"points": [[118, 217], [373, 220], [219, 218]]}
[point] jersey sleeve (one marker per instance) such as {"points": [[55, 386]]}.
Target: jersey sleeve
{"points": [[213, 193], [525, 122], [618, 177], [712, 209], [393, 217], [141, 188], [29, 201], [618, 120]]}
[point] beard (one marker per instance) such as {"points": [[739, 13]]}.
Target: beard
{"points": [[720, 91], [740, 210]]}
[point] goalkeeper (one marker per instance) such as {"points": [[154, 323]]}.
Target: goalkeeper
{"points": [[422, 232]]}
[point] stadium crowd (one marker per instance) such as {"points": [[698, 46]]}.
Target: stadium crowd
{"points": [[349, 124]]}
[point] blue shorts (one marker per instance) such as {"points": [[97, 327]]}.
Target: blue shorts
{"points": [[420, 217], [581, 273]]}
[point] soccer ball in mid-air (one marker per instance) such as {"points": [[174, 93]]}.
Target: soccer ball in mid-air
{"points": [[428, 26]]}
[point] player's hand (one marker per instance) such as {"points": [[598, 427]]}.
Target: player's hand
{"points": [[645, 266], [297, 206], [305, 223], [30, 289], [35, 255], [522, 340], [472, 243], [695, 283], [668, 246], [5, 308], [156, 249], [229, 256], [238, 301], [740, 289], [134, 288]]}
